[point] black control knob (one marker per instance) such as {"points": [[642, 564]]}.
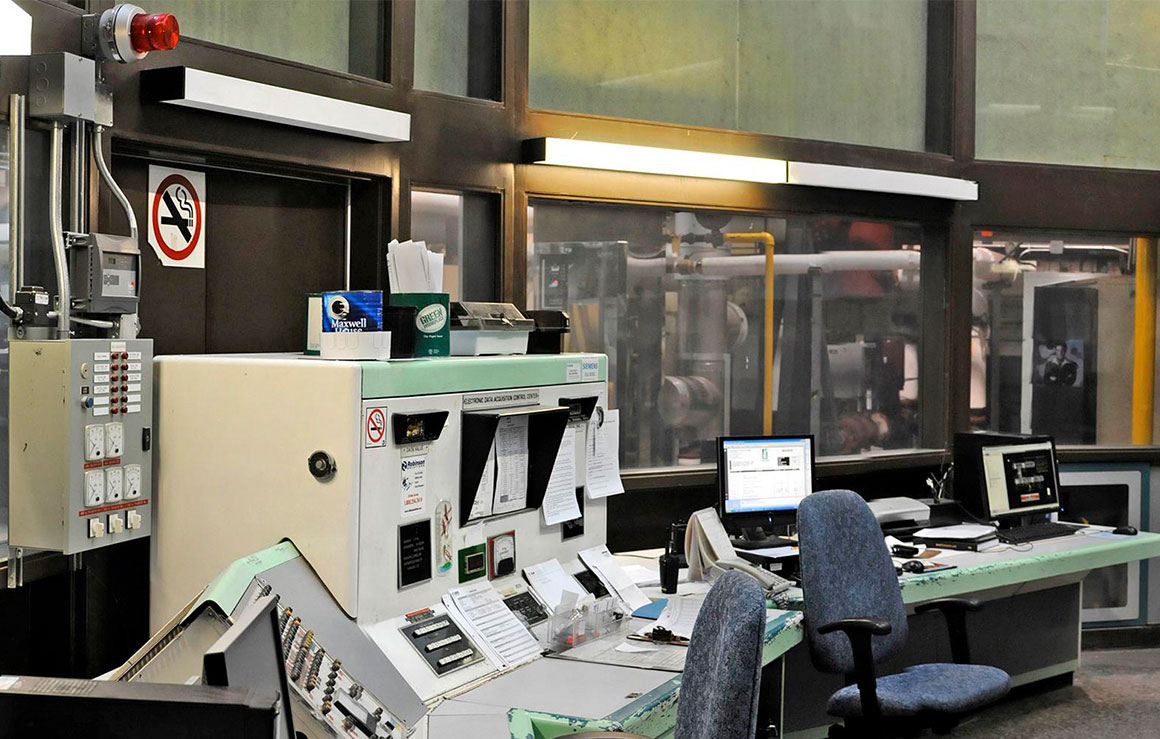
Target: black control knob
{"points": [[322, 466]]}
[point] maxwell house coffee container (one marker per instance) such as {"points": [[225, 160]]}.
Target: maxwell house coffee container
{"points": [[352, 325]]}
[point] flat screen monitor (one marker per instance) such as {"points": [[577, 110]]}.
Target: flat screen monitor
{"points": [[1004, 476], [249, 655], [762, 479], [1020, 479]]}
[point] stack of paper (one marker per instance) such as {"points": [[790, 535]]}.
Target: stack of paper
{"points": [[411, 268], [556, 589], [619, 583], [494, 627]]}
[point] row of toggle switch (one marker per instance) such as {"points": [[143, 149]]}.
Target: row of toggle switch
{"points": [[99, 526]]}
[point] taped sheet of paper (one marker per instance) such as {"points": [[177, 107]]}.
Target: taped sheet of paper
{"points": [[486, 490], [602, 455], [560, 502]]}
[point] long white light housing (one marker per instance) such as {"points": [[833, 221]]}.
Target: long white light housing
{"points": [[882, 180], [653, 160], [193, 88]]}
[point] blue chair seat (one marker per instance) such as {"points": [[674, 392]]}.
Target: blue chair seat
{"points": [[945, 688]]}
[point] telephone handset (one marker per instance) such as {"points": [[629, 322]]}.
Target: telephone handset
{"points": [[707, 547]]}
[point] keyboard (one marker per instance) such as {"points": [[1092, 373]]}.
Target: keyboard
{"points": [[1037, 531]]}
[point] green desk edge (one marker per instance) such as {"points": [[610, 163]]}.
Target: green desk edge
{"points": [[655, 716], [442, 375]]}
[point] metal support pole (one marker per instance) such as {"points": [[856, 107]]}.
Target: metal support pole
{"points": [[766, 238], [77, 215], [817, 332], [56, 230], [16, 156], [1144, 348]]}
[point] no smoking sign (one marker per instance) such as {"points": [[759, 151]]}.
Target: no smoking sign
{"points": [[375, 431], [177, 213]]}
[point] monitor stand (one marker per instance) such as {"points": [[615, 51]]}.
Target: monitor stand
{"points": [[756, 539]]}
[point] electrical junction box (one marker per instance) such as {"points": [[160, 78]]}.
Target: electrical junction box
{"points": [[104, 271], [79, 443]]}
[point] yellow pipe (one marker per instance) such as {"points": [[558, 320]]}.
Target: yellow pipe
{"points": [[767, 405], [1144, 350]]}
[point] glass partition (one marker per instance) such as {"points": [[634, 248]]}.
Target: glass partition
{"points": [[457, 47], [341, 35], [1074, 82], [677, 300], [838, 70], [1052, 335], [464, 227]]}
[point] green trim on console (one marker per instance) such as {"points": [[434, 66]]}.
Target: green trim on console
{"points": [[439, 375], [229, 586]]}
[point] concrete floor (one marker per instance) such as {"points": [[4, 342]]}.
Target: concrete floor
{"points": [[1116, 694]]}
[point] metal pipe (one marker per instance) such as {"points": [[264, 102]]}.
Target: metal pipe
{"points": [[801, 264], [16, 155], [77, 217], [766, 238], [56, 230], [1144, 349], [107, 176]]}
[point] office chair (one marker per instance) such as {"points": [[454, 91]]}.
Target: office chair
{"points": [[855, 619], [721, 681]]}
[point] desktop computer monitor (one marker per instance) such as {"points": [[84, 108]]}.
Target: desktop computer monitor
{"points": [[1004, 477], [249, 655], [762, 479]]}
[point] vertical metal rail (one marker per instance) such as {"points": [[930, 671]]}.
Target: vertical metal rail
{"points": [[766, 238], [16, 113], [1144, 347], [77, 202], [56, 230]]}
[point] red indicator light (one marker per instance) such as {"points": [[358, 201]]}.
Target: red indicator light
{"points": [[153, 32]]}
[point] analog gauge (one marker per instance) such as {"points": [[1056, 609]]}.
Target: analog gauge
{"points": [[94, 442], [132, 481], [94, 487], [113, 483], [114, 438]]}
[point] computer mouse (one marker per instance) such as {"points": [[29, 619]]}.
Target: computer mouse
{"points": [[913, 566], [1125, 530]]}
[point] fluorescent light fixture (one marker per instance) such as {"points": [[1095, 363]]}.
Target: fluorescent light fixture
{"points": [[881, 180], [653, 160], [15, 30], [193, 88]]}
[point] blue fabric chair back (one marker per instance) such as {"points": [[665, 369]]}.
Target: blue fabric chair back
{"points": [[721, 682], [846, 573]]}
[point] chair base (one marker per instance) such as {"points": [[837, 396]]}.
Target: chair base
{"points": [[901, 727]]}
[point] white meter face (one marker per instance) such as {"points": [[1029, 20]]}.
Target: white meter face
{"points": [[114, 439], [94, 487], [114, 479], [132, 481], [94, 442]]}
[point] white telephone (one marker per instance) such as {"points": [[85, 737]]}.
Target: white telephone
{"points": [[709, 553]]}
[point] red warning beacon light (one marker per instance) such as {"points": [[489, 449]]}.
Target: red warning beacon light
{"points": [[126, 33], [154, 32]]}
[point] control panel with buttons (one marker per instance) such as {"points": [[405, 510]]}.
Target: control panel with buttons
{"points": [[81, 417]]}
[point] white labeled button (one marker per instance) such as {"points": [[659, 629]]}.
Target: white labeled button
{"points": [[116, 523], [102, 410], [133, 377], [96, 528], [134, 355], [100, 378], [134, 409], [100, 401], [133, 398], [117, 346], [134, 519], [101, 367], [425, 630], [100, 389], [446, 642], [134, 366], [134, 387], [100, 356]]}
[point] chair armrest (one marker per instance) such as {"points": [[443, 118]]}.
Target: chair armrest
{"points": [[860, 632], [852, 626], [955, 611]]}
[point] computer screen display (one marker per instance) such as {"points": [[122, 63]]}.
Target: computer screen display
{"points": [[764, 475], [1020, 478]]}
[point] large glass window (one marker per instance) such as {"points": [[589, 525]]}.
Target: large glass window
{"points": [[1053, 333], [464, 228], [457, 47], [677, 301], [342, 35], [839, 70], [1074, 82]]}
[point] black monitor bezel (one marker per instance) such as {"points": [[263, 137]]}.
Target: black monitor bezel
{"points": [[1018, 514], [751, 519]]}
